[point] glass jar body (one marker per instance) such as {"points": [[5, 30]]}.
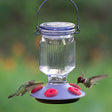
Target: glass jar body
{"points": [[57, 55]]}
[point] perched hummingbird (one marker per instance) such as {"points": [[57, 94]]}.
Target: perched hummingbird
{"points": [[27, 86], [89, 82]]}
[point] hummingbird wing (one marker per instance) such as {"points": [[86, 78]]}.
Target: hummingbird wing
{"points": [[83, 75], [20, 91], [97, 78]]}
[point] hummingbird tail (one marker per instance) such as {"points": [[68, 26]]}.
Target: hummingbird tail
{"points": [[10, 96]]}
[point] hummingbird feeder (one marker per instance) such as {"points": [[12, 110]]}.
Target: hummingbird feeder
{"points": [[56, 60]]}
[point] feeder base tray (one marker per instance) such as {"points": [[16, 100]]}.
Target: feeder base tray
{"points": [[57, 101], [57, 94]]}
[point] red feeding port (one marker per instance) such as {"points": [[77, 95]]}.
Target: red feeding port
{"points": [[37, 89], [51, 92], [74, 85], [74, 90]]}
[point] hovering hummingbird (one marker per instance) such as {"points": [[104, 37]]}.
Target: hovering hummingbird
{"points": [[89, 82], [27, 86]]}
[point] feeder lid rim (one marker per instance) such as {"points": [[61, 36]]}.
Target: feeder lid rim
{"points": [[57, 26]]}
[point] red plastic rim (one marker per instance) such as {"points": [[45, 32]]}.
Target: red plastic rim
{"points": [[51, 92], [37, 89], [74, 85], [74, 90]]}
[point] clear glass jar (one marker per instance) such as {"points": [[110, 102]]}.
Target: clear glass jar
{"points": [[57, 50]]}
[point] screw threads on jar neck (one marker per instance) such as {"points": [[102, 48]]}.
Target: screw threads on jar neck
{"points": [[57, 79]]}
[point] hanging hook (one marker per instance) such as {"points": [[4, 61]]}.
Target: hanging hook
{"points": [[78, 29], [37, 27]]}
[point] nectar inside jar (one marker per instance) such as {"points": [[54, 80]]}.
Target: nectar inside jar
{"points": [[57, 56]]}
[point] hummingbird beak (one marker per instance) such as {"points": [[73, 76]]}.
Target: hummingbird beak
{"points": [[77, 83]]}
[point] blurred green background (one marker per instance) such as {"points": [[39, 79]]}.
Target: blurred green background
{"points": [[19, 52]]}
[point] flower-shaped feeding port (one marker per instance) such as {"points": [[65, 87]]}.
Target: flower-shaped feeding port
{"points": [[74, 90], [36, 89], [51, 92], [56, 60]]}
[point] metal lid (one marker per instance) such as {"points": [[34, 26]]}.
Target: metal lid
{"points": [[57, 28]]}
